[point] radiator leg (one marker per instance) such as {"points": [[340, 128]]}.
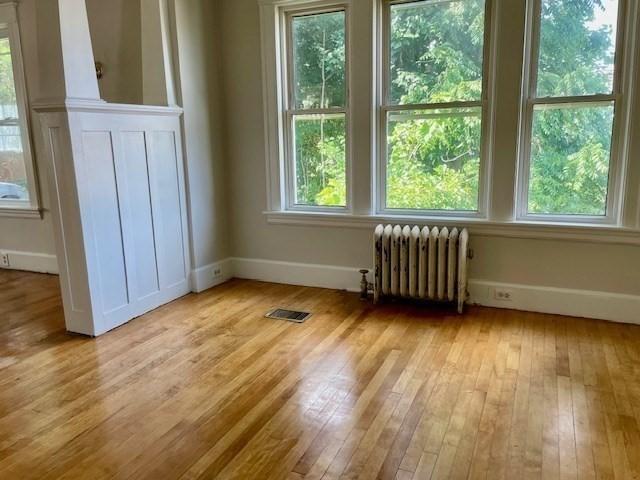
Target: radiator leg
{"points": [[460, 305]]}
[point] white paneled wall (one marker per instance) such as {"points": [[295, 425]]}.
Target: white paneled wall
{"points": [[122, 175]]}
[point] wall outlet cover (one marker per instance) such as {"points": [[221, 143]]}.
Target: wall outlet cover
{"points": [[504, 295], [4, 260]]}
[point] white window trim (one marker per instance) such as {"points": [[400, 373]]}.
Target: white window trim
{"points": [[486, 105], [275, 17], [619, 97], [9, 28]]}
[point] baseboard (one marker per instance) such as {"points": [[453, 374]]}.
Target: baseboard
{"points": [[31, 262], [211, 275], [306, 274], [562, 301], [532, 298], [615, 307]]}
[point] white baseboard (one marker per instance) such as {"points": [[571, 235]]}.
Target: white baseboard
{"points": [[211, 275], [306, 274], [615, 307], [562, 301], [31, 262]]}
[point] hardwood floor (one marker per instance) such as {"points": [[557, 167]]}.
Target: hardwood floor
{"points": [[207, 388]]}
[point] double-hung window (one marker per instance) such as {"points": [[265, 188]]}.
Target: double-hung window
{"points": [[17, 178], [316, 113], [571, 115], [433, 106], [498, 112]]}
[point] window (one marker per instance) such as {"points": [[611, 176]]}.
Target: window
{"points": [[17, 184], [316, 111], [571, 109], [433, 105], [505, 114]]}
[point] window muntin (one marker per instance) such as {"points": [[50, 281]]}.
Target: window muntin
{"points": [[15, 187], [317, 119], [569, 164], [434, 108]]}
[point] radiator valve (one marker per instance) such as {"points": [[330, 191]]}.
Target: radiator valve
{"points": [[364, 285]]}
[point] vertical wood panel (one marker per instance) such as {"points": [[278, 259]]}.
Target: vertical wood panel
{"points": [[107, 224], [144, 256], [167, 207]]}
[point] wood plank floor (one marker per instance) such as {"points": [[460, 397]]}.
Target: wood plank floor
{"points": [[207, 388]]}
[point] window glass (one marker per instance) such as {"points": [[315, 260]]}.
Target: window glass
{"points": [[319, 116], [13, 175], [319, 61], [433, 150], [577, 47], [436, 51], [571, 138], [570, 153], [320, 158], [434, 159]]}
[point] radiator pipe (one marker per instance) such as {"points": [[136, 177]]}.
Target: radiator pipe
{"points": [[365, 286]]}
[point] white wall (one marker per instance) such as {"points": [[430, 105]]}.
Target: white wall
{"points": [[116, 41], [564, 264], [26, 235]]}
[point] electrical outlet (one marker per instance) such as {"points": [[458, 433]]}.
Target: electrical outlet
{"points": [[503, 295], [217, 272], [4, 260]]}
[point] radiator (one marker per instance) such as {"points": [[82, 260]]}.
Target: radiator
{"points": [[421, 263]]}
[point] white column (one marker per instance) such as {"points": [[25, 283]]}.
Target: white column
{"points": [[158, 86], [67, 77], [67, 69]]}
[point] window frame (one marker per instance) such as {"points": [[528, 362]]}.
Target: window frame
{"points": [[288, 111], [529, 100], [385, 106], [9, 29]]}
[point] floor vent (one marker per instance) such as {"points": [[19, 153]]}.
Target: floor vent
{"points": [[289, 315]]}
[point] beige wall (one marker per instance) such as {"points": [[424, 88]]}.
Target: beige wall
{"points": [[116, 41], [198, 59], [590, 266], [115, 37], [20, 234]]}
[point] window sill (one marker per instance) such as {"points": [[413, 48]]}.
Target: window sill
{"points": [[20, 212], [520, 229]]}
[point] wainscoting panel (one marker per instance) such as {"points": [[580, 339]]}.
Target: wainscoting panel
{"points": [[126, 210]]}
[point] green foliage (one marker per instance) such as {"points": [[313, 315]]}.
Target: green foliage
{"points": [[436, 55], [7, 88], [319, 60], [570, 160], [320, 140], [320, 160]]}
